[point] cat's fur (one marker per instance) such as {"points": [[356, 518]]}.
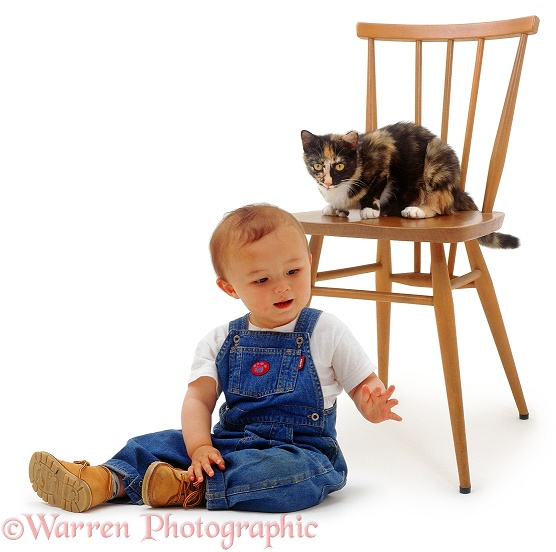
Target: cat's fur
{"points": [[401, 169]]}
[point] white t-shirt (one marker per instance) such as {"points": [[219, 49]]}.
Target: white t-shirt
{"points": [[340, 360]]}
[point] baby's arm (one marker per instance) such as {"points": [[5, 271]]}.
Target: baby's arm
{"points": [[373, 400], [196, 418]]}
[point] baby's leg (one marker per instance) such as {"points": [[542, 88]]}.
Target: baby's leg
{"points": [[133, 460], [279, 479], [78, 486]]}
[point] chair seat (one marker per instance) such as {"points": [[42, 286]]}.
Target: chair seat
{"points": [[460, 227]]}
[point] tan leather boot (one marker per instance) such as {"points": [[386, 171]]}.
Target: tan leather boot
{"points": [[72, 486], [164, 485]]}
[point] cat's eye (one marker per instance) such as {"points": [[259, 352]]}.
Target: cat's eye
{"points": [[317, 167], [339, 166]]}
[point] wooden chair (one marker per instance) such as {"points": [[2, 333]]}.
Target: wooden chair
{"points": [[441, 232]]}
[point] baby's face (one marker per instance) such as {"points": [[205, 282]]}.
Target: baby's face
{"points": [[272, 276]]}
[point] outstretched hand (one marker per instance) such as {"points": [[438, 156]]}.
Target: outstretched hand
{"points": [[376, 404]]}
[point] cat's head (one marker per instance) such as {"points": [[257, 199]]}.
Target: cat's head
{"points": [[331, 158]]}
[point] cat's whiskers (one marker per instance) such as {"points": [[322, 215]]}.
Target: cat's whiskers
{"points": [[359, 184]]}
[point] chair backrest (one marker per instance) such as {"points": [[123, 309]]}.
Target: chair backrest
{"points": [[472, 69]]}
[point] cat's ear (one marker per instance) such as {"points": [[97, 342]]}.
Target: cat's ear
{"points": [[351, 139], [227, 288], [309, 140]]}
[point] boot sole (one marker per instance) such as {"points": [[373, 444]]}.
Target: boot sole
{"points": [[56, 485]]}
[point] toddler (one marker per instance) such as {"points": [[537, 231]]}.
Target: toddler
{"points": [[280, 368]]}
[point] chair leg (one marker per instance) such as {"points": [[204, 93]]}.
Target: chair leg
{"points": [[446, 326], [487, 295], [315, 248], [383, 309]]}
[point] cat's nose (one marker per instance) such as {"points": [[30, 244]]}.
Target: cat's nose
{"points": [[328, 182]]}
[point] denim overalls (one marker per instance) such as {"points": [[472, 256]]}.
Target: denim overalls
{"points": [[277, 439]]}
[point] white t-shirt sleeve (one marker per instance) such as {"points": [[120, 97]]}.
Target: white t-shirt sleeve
{"points": [[204, 358], [341, 359]]}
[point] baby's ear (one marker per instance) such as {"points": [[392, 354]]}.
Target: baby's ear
{"points": [[227, 288]]}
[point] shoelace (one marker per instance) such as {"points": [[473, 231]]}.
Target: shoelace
{"points": [[84, 464], [190, 492]]}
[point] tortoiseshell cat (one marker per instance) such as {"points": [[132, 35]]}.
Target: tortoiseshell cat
{"points": [[400, 169]]}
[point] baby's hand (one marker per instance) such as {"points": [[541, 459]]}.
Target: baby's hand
{"points": [[376, 405], [202, 460]]}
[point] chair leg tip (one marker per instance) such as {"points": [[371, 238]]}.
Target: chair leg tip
{"points": [[524, 416], [465, 490]]}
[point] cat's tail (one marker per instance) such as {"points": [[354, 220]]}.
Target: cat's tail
{"points": [[496, 240]]}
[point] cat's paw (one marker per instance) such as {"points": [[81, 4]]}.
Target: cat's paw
{"points": [[332, 212], [413, 213], [369, 213]]}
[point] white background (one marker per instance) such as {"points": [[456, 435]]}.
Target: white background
{"points": [[127, 129]]}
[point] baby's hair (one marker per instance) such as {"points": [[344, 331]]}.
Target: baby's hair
{"points": [[246, 225]]}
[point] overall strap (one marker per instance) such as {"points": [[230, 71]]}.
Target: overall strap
{"points": [[241, 323], [307, 320]]}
